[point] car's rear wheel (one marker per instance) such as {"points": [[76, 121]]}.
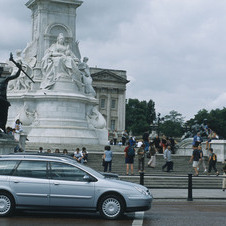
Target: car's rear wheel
{"points": [[111, 206], [6, 204]]}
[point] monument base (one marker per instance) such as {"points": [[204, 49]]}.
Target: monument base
{"points": [[58, 117], [7, 146]]}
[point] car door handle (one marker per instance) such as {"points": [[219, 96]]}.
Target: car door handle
{"points": [[56, 183], [15, 181]]}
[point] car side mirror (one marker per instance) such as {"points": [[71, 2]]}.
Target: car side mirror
{"points": [[88, 178]]}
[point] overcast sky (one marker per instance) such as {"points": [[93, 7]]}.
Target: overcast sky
{"points": [[174, 51]]}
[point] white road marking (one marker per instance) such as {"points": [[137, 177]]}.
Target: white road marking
{"points": [[138, 221]]}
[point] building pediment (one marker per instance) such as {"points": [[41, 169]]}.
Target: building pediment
{"points": [[108, 76]]}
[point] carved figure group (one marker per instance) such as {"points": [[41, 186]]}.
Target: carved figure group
{"points": [[59, 61]]}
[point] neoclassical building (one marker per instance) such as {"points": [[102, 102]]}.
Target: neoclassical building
{"points": [[110, 87]]}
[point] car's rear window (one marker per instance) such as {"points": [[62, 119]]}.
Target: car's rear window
{"points": [[7, 166]]}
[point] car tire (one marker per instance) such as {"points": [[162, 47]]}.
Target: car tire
{"points": [[111, 206], [7, 204]]}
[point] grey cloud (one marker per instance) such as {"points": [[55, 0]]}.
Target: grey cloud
{"points": [[174, 51]]}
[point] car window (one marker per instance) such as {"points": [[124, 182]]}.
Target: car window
{"points": [[34, 169], [62, 171], [6, 167]]}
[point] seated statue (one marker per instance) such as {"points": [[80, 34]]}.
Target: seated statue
{"points": [[59, 61]]}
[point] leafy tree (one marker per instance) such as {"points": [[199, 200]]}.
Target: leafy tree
{"points": [[139, 115], [172, 124]]}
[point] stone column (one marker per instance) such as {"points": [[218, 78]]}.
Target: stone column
{"points": [[109, 110]]}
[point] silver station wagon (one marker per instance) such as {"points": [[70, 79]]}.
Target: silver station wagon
{"points": [[58, 182]]}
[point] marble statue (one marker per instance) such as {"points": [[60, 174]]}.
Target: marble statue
{"points": [[27, 116], [3, 95], [96, 119], [86, 77], [59, 61]]}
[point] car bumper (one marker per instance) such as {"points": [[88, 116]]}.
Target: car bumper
{"points": [[139, 204]]}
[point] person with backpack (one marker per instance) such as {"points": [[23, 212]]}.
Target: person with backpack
{"points": [[140, 154], [212, 162], [129, 158]]}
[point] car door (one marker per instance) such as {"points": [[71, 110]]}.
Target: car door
{"points": [[68, 187], [30, 184]]}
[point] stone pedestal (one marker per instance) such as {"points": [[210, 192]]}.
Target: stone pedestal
{"points": [[22, 141], [7, 146], [56, 117]]}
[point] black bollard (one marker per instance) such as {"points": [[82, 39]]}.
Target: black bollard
{"points": [[190, 187], [142, 178]]}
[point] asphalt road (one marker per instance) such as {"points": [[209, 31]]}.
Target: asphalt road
{"points": [[162, 213]]}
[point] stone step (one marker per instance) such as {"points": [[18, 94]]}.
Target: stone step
{"points": [[172, 182], [155, 178]]}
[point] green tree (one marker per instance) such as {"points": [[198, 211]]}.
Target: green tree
{"points": [[172, 124], [139, 115]]}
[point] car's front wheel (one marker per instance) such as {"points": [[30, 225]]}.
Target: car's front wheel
{"points": [[111, 206], [6, 204]]}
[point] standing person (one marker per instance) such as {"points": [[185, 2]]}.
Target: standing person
{"points": [[107, 158], [146, 140], [201, 159], [132, 141], [129, 158], [140, 154], [152, 161], [124, 137], [195, 158], [115, 137], [3, 96], [167, 157], [212, 162]]}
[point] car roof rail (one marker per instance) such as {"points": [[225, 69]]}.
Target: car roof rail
{"points": [[38, 155]]}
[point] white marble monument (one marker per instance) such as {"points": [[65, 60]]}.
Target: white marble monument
{"points": [[60, 107]]}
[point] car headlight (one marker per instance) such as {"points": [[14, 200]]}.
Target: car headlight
{"points": [[142, 191]]}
